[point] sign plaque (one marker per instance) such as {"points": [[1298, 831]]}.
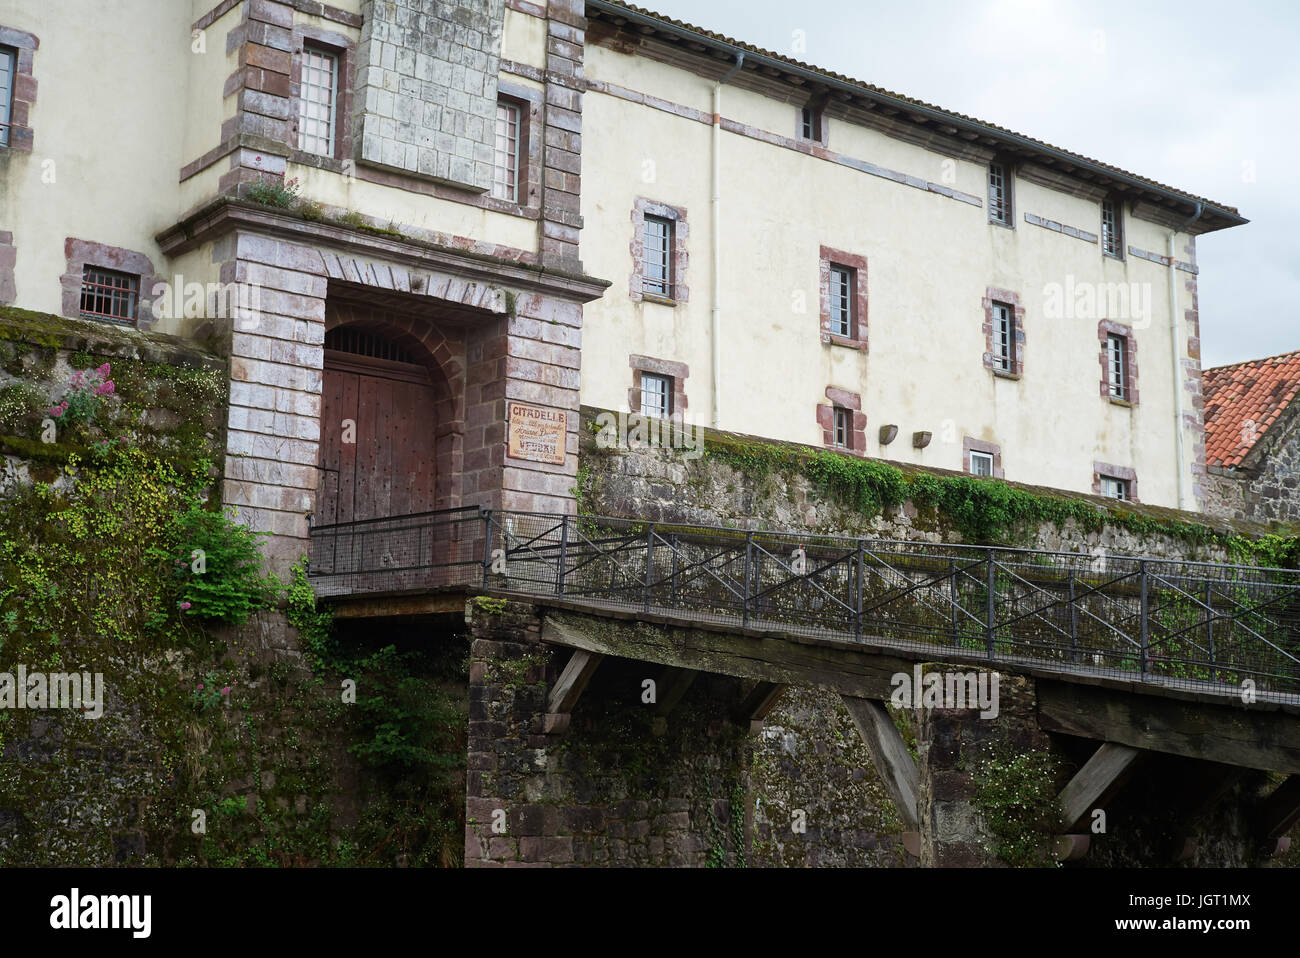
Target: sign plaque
{"points": [[537, 434]]}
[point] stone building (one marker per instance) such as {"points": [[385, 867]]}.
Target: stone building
{"points": [[1252, 439], [427, 231]]}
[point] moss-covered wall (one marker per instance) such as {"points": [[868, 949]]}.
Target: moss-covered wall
{"points": [[221, 742]]}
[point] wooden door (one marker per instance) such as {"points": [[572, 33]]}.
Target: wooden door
{"points": [[377, 444]]}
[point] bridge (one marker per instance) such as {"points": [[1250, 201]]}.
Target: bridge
{"points": [[1137, 654]]}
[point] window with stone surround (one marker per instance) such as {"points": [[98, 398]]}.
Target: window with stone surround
{"points": [[1000, 199], [17, 88], [1119, 368], [318, 100], [109, 284], [658, 253], [658, 387], [842, 421], [321, 87], [982, 458], [506, 153], [843, 298], [1004, 333], [1114, 482]]}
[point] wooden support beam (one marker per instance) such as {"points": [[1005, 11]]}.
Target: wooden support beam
{"points": [[889, 754], [1258, 736], [569, 688], [1093, 785], [1281, 810], [755, 706], [672, 685]]}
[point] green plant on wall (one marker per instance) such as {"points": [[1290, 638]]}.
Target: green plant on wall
{"points": [[1016, 794], [215, 565]]}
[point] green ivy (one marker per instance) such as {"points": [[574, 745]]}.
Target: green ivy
{"points": [[1016, 792]]}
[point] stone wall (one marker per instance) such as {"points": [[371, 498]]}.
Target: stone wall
{"points": [[622, 786], [1266, 488], [427, 87]]}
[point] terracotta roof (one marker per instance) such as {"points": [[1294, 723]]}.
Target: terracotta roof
{"points": [[1242, 401], [868, 88]]}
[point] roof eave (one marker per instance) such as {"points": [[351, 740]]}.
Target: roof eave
{"points": [[1208, 212]]}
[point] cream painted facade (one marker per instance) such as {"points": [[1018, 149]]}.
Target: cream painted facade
{"points": [[914, 209], [930, 259]]}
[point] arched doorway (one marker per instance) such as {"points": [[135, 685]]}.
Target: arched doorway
{"points": [[379, 424]]}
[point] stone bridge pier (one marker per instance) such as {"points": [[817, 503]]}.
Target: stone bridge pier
{"points": [[616, 739]]}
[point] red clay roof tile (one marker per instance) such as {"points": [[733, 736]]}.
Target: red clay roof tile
{"points": [[1242, 401]]}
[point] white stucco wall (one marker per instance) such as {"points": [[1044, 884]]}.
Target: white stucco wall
{"points": [[930, 260]]}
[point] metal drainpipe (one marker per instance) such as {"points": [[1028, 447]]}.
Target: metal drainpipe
{"points": [[1175, 328], [716, 325]]}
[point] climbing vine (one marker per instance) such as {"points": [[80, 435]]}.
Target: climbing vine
{"points": [[1016, 793]]}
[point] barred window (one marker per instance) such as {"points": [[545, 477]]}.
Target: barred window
{"points": [[656, 270], [1112, 242], [505, 167], [108, 294], [317, 101], [1117, 365], [1004, 336], [8, 67], [843, 283], [656, 395], [981, 463], [999, 194]]}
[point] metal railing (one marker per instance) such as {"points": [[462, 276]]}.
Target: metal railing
{"points": [[1181, 623]]}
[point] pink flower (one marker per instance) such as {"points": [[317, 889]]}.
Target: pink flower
{"points": [[103, 370], [200, 688], [226, 690], [185, 606]]}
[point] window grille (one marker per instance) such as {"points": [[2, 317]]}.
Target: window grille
{"points": [[1003, 337], [108, 294], [1111, 243], [363, 342], [1116, 366], [842, 283], [656, 395], [1115, 488], [317, 113], [842, 428], [505, 168], [999, 194], [8, 67], [656, 273]]}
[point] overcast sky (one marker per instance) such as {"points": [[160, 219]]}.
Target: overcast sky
{"points": [[1202, 96]]}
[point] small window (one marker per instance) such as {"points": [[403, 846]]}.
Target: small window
{"points": [[810, 124], [981, 463], [1000, 194], [1112, 240], [656, 395], [1117, 365], [8, 67], [1115, 488], [317, 101], [843, 293], [1004, 336], [843, 427], [505, 168], [656, 271], [108, 294]]}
